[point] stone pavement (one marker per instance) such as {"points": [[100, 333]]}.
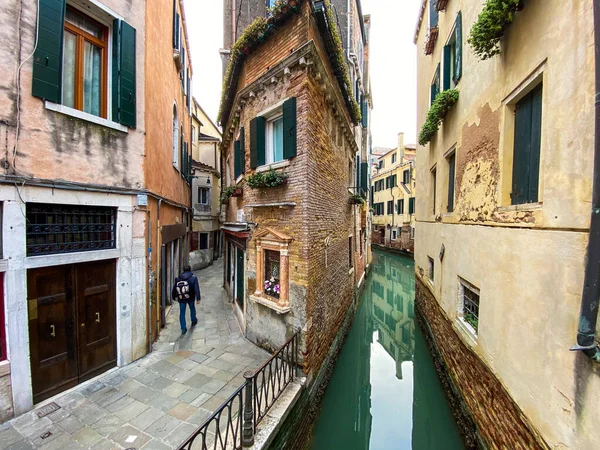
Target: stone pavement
{"points": [[157, 401]]}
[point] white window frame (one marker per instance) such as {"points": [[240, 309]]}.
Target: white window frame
{"points": [[200, 196], [462, 285], [452, 43], [269, 138], [394, 234]]}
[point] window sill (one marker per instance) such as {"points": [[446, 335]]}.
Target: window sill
{"points": [[3, 265], [351, 271], [522, 207], [4, 368], [270, 304], [274, 166], [466, 330], [239, 179], [85, 116]]}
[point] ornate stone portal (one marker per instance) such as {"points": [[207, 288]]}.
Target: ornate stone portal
{"points": [[268, 239]]}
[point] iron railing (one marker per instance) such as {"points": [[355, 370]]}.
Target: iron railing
{"points": [[233, 425]]}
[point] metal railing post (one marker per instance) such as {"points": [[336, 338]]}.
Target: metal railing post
{"points": [[248, 424]]}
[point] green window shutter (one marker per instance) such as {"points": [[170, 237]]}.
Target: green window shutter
{"points": [[257, 142], [357, 175], [237, 171], [371, 191], [181, 147], [190, 167], [242, 150], [123, 76], [289, 128], [411, 205], [458, 51], [526, 158], [433, 14], [447, 59], [175, 24], [451, 170], [182, 73], [364, 177], [47, 61]]}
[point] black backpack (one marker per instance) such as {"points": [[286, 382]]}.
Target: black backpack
{"points": [[182, 289]]}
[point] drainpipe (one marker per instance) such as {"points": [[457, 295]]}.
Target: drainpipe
{"points": [[158, 259], [588, 316]]}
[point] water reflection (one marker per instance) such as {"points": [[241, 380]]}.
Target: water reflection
{"points": [[384, 393]]}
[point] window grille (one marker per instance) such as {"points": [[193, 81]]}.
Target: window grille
{"points": [[470, 307], [272, 273], [53, 229]]}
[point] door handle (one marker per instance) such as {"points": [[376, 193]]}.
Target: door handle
{"points": [[97, 317], [53, 333]]}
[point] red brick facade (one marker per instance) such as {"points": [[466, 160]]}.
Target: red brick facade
{"points": [[325, 228]]}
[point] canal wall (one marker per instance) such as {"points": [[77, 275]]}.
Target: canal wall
{"points": [[486, 414], [295, 432]]}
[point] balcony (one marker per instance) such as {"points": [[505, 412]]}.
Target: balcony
{"points": [[202, 210]]}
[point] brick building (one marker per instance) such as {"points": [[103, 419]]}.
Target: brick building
{"points": [[295, 253]]}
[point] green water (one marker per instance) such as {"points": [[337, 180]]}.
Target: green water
{"points": [[384, 392]]}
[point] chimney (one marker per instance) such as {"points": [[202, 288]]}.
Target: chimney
{"points": [[400, 147]]}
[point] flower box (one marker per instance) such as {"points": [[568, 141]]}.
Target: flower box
{"points": [[237, 192]]}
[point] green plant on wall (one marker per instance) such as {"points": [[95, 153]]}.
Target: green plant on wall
{"points": [[253, 35], [491, 23], [265, 180], [471, 320], [228, 192], [356, 199], [440, 107]]}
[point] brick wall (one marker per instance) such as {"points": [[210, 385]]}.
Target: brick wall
{"points": [[486, 414]]}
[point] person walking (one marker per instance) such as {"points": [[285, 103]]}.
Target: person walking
{"points": [[185, 290]]}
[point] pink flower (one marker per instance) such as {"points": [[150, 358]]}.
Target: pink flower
{"points": [[277, 288]]}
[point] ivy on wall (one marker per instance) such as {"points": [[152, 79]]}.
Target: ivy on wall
{"points": [[439, 108], [491, 23]]}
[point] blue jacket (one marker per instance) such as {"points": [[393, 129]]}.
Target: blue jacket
{"points": [[192, 281]]}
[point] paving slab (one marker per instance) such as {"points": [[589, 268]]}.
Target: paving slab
{"points": [[154, 403]]}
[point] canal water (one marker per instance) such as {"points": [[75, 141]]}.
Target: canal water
{"points": [[384, 392]]}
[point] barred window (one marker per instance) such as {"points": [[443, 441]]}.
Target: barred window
{"points": [[55, 229], [468, 304]]}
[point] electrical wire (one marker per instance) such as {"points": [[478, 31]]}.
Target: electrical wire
{"points": [[18, 75]]}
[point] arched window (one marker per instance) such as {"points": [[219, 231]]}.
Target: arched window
{"points": [[175, 137]]}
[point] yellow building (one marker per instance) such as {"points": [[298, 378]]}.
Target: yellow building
{"points": [[206, 241], [503, 218], [393, 197]]}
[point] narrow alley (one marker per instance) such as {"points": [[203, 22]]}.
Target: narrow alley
{"points": [[157, 401]]}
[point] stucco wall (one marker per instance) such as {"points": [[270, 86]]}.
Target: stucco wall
{"points": [[528, 260], [55, 145]]}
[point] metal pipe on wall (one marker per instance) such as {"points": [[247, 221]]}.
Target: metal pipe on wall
{"points": [[588, 316]]}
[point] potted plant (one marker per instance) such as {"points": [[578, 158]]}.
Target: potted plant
{"points": [[265, 180], [237, 192], [356, 199], [229, 192]]}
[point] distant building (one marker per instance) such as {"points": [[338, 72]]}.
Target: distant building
{"points": [[393, 198], [206, 242], [503, 219]]}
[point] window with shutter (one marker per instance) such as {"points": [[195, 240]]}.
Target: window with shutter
{"points": [[175, 137], [364, 178], [435, 85], [411, 205], [433, 14], [48, 57], [242, 150], [71, 62], [237, 164], [451, 168], [257, 142], [453, 56], [526, 157], [390, 207], [434, 187], [401, 206], [289, 128]]}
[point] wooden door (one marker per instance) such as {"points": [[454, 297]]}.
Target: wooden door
{"points": [[95, 290], [52, 340]]}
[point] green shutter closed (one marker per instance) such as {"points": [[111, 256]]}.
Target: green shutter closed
{"points": [[47, 60], [365, 113], [237, 171], [458, 52], [257, 142], [364, 177], [526, 158], [123, 76], [242, 150], [289, 128], [451, 170], [447, 59], [411, 205]]}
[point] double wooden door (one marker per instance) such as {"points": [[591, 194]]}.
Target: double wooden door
{"points": [[72, 322]]}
